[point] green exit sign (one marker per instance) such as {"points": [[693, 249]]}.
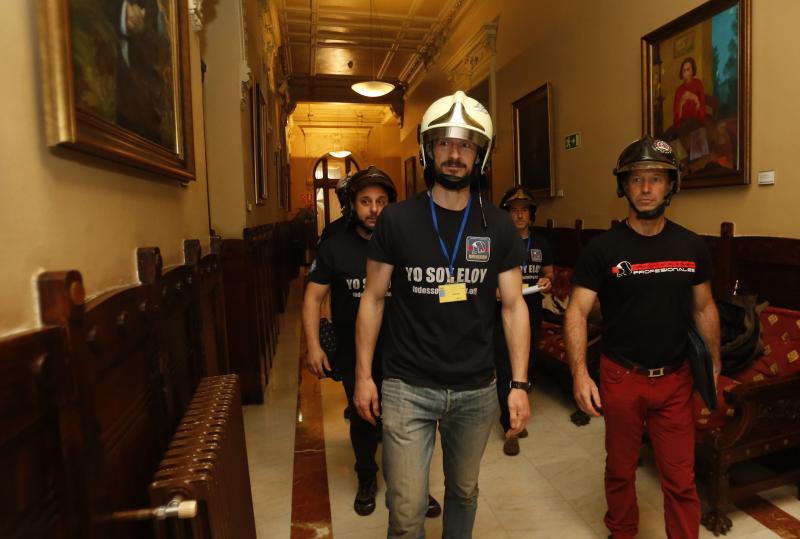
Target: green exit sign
{"points": [[572, 141]]}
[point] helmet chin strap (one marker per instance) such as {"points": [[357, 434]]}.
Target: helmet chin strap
{"points": [[451, 182], [655, 213], [456, 183]]}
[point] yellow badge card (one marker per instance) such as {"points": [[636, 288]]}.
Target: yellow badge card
{"points": [[449, 293], [525, 285]]}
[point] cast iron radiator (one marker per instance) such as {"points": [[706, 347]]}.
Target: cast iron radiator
{"points": [[207, 462]]}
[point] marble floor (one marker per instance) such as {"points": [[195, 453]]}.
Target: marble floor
{"points": [[552, 489]]}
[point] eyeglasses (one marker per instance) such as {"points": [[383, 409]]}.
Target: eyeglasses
{"points": [[463, 147]]}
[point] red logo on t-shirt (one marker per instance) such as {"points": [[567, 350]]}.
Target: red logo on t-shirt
{"points": [[624, 268]]}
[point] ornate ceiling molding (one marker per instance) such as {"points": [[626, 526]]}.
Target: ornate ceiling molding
{"points": [[429, 51], [473, 61]]}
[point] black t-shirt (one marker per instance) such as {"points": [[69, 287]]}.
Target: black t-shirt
{"points": [[645, 288], [432, 344], [538, 254], [331, 229], [341, 263]]}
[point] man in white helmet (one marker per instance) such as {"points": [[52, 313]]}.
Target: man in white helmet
{"points": [[444, 256]]}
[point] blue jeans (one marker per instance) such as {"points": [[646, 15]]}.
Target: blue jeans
{"points": [[410, 415]]}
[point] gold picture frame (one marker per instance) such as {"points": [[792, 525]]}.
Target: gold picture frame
{"points": [[117, 81], [696, 92], [534, 156]]}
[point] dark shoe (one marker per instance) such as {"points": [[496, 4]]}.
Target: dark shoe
{"points": [[434, 509], [365, 497], [511, 446], [523, 433]]}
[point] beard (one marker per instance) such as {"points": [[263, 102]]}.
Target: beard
{"points": [[364, 225], [451, 181]]}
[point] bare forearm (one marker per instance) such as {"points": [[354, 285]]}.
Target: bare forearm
{"points": [[311, 312], [368, 326], [518, 337], [707, 322], [575, 336]]}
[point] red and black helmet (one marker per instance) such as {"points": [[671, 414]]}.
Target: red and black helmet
{"points": [[647, 152]]}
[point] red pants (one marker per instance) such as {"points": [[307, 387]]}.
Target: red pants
{"points": [[631, 403]]}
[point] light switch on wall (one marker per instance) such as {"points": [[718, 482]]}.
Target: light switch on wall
{"points": [[766, 177]]}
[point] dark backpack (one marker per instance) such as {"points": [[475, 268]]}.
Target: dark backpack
{"points": [[739, 332]]}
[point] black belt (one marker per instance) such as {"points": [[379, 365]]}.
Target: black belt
{"points": [[650, 373]]}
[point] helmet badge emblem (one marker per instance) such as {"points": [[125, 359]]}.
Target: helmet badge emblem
{"points": [[661, 146]]}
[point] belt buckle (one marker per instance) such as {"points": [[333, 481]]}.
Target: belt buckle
{"points": [[655, 373]]}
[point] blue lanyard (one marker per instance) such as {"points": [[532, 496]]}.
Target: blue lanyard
{"points": [[451, 260], [527, 253]]}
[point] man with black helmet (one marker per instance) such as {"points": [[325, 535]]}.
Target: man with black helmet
{"points": [[340, 267], [652, 279], [340, 224], [537, 271], [445, 257]]}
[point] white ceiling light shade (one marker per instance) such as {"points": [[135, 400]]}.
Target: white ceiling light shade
{"points": [[374, 87], [341, 154]]}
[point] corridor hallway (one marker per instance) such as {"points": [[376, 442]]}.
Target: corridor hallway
{"points": [[553, 489]]}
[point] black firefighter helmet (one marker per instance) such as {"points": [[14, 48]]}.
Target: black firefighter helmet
{"points": [[371, 176], [648, 152], [519, 193]]}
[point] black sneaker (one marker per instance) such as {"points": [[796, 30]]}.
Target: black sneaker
{"points": [[365, 497], [434, 509]]}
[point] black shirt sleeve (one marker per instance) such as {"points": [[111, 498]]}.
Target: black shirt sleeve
{"points": [[588, 271], [381, 246], [547, 253], [512, 251], [322, 268], [703, 257]]}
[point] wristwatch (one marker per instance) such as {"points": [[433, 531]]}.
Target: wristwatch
{"points": [[527, 386]]}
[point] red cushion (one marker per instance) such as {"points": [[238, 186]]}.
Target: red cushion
{"points": [[562, 282], [705, 420], [780, 333], [552, 342]]}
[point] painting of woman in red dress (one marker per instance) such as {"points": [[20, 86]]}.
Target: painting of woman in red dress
{"points": [[690, 97]]}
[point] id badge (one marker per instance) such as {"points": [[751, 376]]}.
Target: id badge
{"points": [[449, 293]]}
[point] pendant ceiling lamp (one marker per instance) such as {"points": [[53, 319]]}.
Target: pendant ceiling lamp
{"points": [[337, 150], [374, 87]]}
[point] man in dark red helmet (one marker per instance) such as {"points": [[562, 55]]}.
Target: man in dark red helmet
{"points": [[537, 271], [652, 279]]}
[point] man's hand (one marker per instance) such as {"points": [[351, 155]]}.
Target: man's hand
{"points": [[365, 399], [519, 410], [586, 394], [134, 18], [317, 362], [544, 285]]}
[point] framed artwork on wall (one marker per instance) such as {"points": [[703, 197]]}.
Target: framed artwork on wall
{"points": [[410, 175], [696, 92], [259, 137], [533, 142], [117, 81]]}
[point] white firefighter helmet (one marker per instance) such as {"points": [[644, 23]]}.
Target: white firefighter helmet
{"points": [[456, 116]]}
